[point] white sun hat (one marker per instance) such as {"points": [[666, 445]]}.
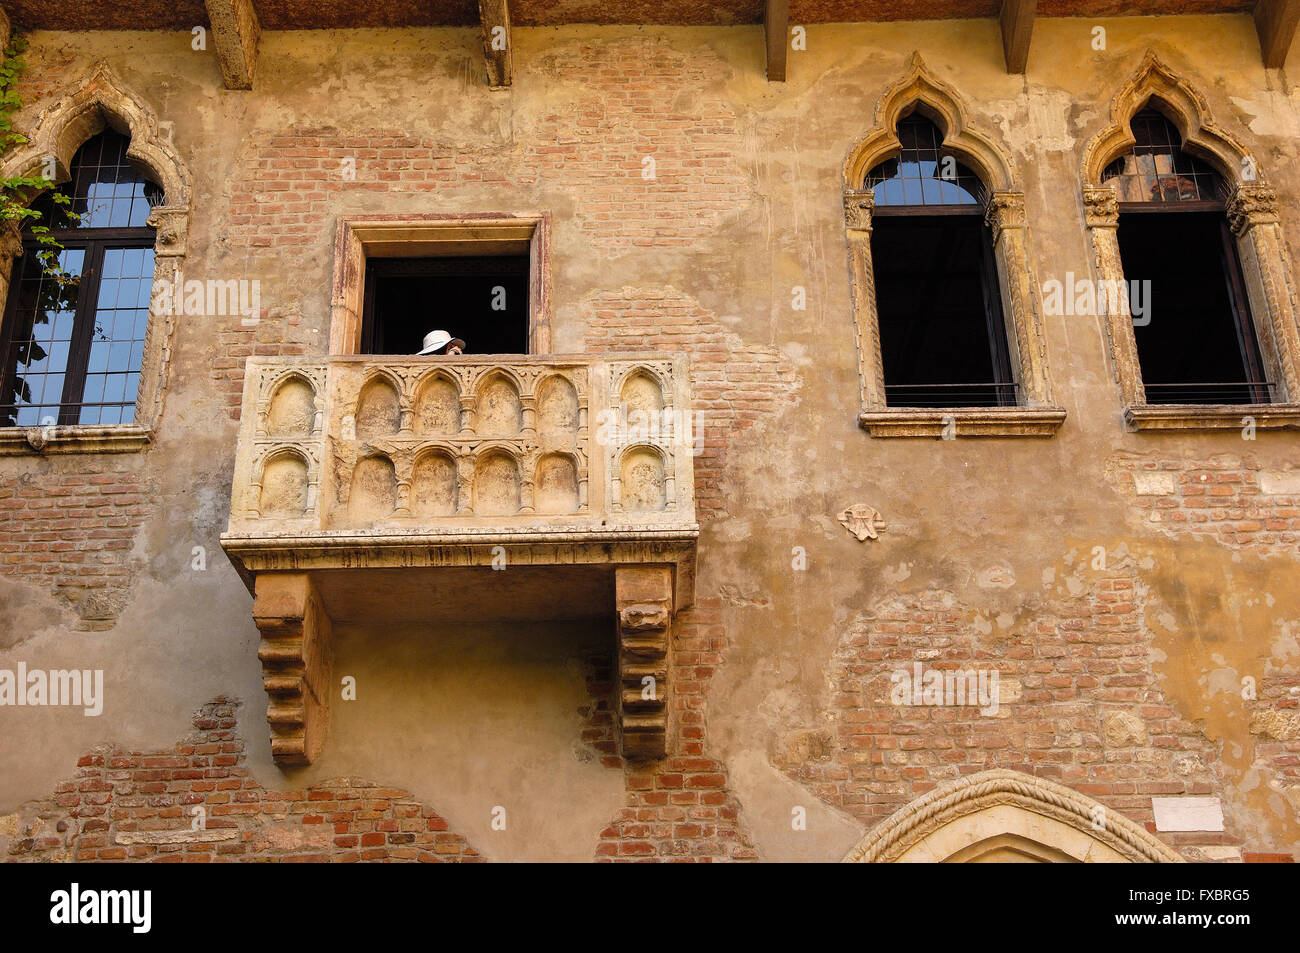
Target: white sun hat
{"points": [[437, 340]]}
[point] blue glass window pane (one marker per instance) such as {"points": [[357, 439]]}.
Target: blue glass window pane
{"points": [[922, 175]]}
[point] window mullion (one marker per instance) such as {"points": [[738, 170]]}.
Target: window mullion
{"points": [[83, 328]]}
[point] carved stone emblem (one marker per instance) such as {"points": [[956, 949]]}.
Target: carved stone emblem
{"points": [[644, 617], [38, 437], [862, 521]]}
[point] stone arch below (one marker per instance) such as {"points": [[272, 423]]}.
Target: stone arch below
{"points": [[1005, 816]]}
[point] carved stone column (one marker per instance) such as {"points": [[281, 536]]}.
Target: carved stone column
{"points": [[171, 223], [1005, 216], [1253, 217], [11, 247], [296, 654], [1101, 212], [644, 599], [858, 208]]}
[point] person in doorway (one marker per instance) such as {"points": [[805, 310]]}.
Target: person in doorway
{"points": [[436, 341]]}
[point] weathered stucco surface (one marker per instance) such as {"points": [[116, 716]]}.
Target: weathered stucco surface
{"points": [[989, 548]]}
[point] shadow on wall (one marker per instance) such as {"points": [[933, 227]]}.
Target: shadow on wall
{"points": [[486, 720]]}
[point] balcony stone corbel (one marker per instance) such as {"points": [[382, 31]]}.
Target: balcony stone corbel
{"points": [[644, 599], [296, 656]]}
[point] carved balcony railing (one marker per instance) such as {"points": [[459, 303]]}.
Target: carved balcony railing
{"points": [[362, 484]]}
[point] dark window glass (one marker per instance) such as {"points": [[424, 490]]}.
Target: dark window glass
{"points": [[1196, 343], [943, 336], [483, 300], [72, 349], [1195, 336]]}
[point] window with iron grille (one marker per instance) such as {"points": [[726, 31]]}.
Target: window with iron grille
{"points": [[1196, 338], [72, 348], [943, 336]]}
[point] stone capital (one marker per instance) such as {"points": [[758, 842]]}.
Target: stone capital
{"points": [[1100, 206], [172, 223], [1252, 205], [1005, 210], [859, 204]]}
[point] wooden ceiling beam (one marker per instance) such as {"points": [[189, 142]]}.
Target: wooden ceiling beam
{"points": [[495, 17], [776, 29], [1276, 22], [1017, 19], [235, 32]]}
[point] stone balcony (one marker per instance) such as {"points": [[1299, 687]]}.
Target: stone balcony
{"points": [[499, 488]]}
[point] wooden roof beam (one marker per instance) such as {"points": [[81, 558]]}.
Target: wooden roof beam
{"points": [[1017, 19], [235, 32], [1276, 21], [495, 17], [776, 28]]}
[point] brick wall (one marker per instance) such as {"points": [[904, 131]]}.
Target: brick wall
{"points": [[137, 806], [72, 529], [1080, 704], [620, 107], [1236, 502]]}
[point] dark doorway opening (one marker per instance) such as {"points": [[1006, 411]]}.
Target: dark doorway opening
{"points": [[481, 299], [1198, 344], [943, 338]]}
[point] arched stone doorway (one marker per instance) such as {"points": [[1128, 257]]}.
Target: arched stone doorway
{"points": [[1008, 817]]}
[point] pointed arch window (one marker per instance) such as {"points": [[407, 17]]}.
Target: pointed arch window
{"points": [[943, 334], [73, 350], [1193, 328], [1172, 198]]}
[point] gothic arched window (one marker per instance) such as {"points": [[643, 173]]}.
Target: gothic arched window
{"points": [[72, 348], [1192, 323], [943, 334]]}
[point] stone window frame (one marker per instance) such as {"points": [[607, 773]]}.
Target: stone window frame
{"points": [[414, 236], [103, 101], [1035, 414], [1253, 216]]}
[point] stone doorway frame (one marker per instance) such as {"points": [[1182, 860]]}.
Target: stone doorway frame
{"points": [[434, 235]]}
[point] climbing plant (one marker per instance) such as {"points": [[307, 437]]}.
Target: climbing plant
{"points": [[15, 191]]}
